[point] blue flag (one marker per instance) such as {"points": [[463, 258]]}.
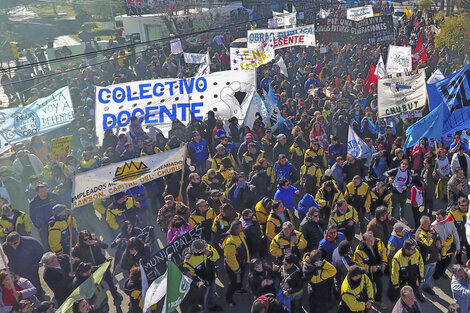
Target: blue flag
{"points": [[429, 126], [454, 93], [272, 95]]}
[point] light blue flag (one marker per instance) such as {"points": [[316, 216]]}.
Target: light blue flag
{"points": [[429, 126], [272, 95]]}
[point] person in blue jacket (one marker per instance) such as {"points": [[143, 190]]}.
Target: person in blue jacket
{"points": [[284, 169], [331, 241], [198, 152], [305, 204], [285, 193]]}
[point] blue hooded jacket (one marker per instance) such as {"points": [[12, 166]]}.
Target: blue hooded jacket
{"points": [[306, 203], [286, 196]]}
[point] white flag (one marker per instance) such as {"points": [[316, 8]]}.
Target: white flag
{"points": [[282, 65], [145, 283], [435, 77], [155, 292], [356, 146], [4, 144], [380, 70], [323, 13], [205, 67]]}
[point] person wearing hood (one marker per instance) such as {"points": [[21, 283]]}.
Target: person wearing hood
{"points": [[330, 242], [342, 261], [357, 291], [327, 196], [371, 254], [396, 240], [311, 226], [237, 256], [310, 176], [287, 241], [407, 269], [319, 273], [367, 129], [61, 226], [285, 193], [345, 218], [268, 303]]}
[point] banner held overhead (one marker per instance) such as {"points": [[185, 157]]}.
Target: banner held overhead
{"points": [[399, 59], [360, 13], [258, 36], [251, 58]]}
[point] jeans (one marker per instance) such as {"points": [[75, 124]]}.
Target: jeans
{"points": [[428, 281], [209, 297], [296, 303]]}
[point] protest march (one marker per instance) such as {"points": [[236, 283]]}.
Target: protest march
{"points": [[303, 157]]}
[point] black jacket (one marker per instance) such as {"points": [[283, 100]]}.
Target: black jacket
{"points": [[313, 232], [58, 279]]}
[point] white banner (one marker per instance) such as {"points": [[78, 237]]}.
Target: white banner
{"points": [[175, 46], [285, 19], [258, 36], [41, 116], [356, 146], [249, 58], [360, 13], [158, 102], [194, 58], [398, 59], [401, 94], [118, 177]]}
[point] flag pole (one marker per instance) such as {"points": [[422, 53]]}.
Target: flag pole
{"points": [[180, 193]]}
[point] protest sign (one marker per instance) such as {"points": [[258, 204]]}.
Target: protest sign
{"points": [[272, 23], [194, 58], [398, 59], [118, 177], [175, 46], [251, 58], [356, 146], [258, 36], [158, 102], [285, 19], [157, 265], [60, 147], [360, 13], [371, 30], [41, 116], [401, 93]]}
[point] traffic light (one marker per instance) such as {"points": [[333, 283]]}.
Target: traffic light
{"points": [[14, 49]]}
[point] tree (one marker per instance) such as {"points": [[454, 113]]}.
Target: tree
{"points": [[455, 33], [425, 4]]}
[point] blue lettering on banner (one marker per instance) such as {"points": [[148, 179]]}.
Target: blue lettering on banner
{"points": [[148, 90], [258, 37]]}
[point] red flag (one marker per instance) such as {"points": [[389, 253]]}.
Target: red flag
{"points": [[371, 78], [419, 55], [419, 45], [422, 57]]}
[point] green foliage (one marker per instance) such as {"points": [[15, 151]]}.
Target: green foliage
{"points": [[439, 16], [100, 10], [455, 33], [425, 4], [51, 10]]}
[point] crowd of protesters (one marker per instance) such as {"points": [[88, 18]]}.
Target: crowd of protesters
{"points": [[280, 207]]}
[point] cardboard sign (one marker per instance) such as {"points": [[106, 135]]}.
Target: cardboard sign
{"points": [[60, 147]]}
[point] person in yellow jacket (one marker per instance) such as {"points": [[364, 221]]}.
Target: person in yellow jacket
{"points": [[222, 223], [278, 215], [204, 215], [318, 154], [220, 154], [357, 292], [149, 148], [319, 273], [345, 218], [407, 269], [358, 196], [371, 254], [50, 169], [262, 209], [123, 208], [327, 196], [14, 220], [380, 196], [102, 205], [310, 176], [459, 215], [199, 262], [287, 241], [237, 257], [61, 227], [251, 156]]}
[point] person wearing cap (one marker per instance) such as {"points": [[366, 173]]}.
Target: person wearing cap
{"points": [[251, 156], [371, 254], [407, 269], [291, 281], [14, 220], [380, 196], [225, 141], [281, 147], [205, 216], [122, 208], [62, 225], [40, 211], [345, 217], [199, 263], [287, 241], [244, 146], [382, 224], [276, 217], [396, 240], [310, 176], [216, 200], [318, 154], [268, 142], [319, 274], [284, 169], [357, 291], [220, 154], [237, 256], [268, 303], [327, 196]]}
